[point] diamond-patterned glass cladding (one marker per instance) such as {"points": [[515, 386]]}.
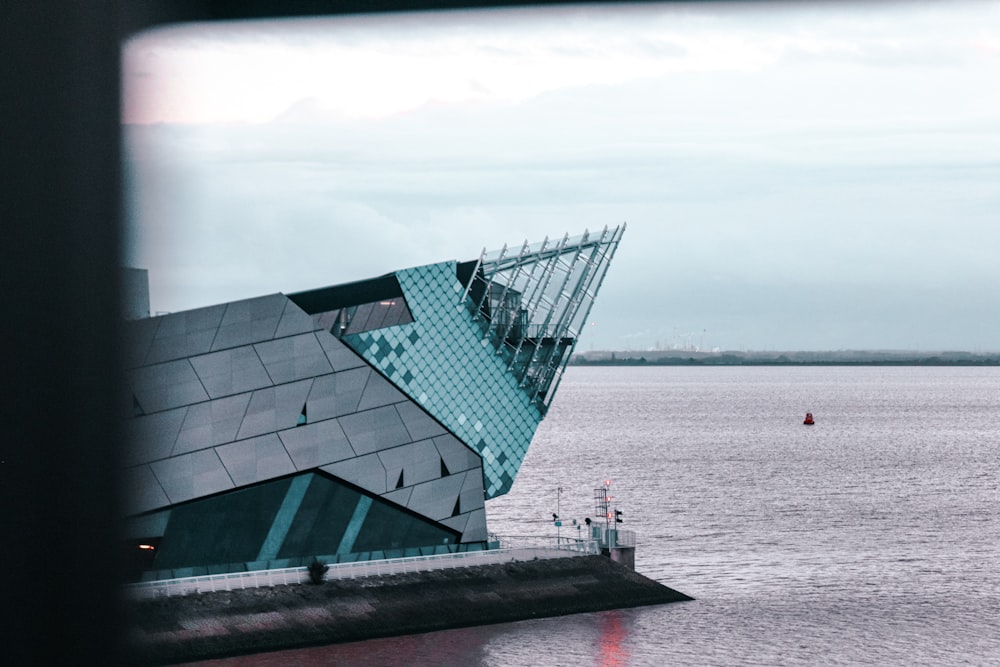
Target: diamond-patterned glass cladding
{"points": [[443, 365]]}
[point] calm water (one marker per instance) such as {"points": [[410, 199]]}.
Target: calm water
{"points": [[872, 537]]}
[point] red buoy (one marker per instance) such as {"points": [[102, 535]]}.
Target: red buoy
{"points": [[809, 419]]}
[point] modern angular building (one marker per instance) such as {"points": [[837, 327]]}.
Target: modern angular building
{"points": [[361, 421]]}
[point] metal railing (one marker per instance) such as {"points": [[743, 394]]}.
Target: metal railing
{"points": [[297, 575]]}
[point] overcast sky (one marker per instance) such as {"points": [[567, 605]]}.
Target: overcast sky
{"points": [[794, 176]]}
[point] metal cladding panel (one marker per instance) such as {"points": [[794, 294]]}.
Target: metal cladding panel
{"points": [[212, 423], [455, 454], [457, 523], [373, 430], [475, 529], [151, 437], [140, 337], [472, 491], [231, 371], [340, 356], [443, 362], [436, 498], [274, 409], [142, 490], [255, 460], [364, 471], [250, 321], [192, 475], [378, 392], [293, 358], [418, 423], [168, 385], [400, 496], [165, 348], [336, 394], [293, 321], [418, 462], [183, 334], [314, 445]]}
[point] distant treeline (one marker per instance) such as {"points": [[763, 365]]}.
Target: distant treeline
{"points": [[788, 359]]}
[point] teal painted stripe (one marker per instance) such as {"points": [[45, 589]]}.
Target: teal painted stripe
{"points": [[354, 527], [283, 520]]}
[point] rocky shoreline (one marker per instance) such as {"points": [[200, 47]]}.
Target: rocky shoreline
{"points": [[223, 624]]}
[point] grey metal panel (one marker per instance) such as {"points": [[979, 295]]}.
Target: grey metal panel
{"points": [[436, 499], [378, 392], [231, 371], [274, 409], [364, 471], [293, 358], [475, 529], [212, 423], [327, 321], [142, 491], [190, 321], [138, 337], [317, 444], [457, 523], [337, 394], [250, 321], [419, 462], [151, 437], [255, 460], [293, 321], [184, 334], [400, 496], [373, 430], [456, 455], [164, 386], [341, 357], [473, 494], [420, 424], [192, 475], [164, 348]]}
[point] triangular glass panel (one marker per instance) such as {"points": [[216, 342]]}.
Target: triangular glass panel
{"points": [[458, 507], [444, 469], [399, 482], [303, 416], [137, 410]]}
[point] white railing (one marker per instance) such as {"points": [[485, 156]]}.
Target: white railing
{"points": [[369, 568]]}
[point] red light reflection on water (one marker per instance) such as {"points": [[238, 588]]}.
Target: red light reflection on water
{"points": [[612, 651]]}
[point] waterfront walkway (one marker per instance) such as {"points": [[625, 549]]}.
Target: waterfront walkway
{"points": [[296, 575]]}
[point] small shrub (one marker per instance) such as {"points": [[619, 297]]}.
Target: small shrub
{"points": [[317, 571]]}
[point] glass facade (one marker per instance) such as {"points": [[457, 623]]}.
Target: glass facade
{"points": [[286, 523], [442, 361]]}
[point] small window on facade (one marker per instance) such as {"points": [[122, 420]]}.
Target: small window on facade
{"points": [[303, 418]]}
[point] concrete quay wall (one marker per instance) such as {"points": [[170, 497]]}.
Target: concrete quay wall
{"points": [[221, 624]]}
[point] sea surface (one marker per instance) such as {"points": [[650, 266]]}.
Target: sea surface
{"points": [[872, 537]]}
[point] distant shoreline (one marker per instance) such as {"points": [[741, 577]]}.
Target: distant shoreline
{"points": [[834, 358]]}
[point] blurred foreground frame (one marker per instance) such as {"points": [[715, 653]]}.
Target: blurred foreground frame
{"points": [[61, 214]]}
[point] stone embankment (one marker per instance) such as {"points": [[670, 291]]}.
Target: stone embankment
{"points": [[212, 625]]}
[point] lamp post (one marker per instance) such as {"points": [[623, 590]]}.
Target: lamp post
{"points": [[558, 513]]}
